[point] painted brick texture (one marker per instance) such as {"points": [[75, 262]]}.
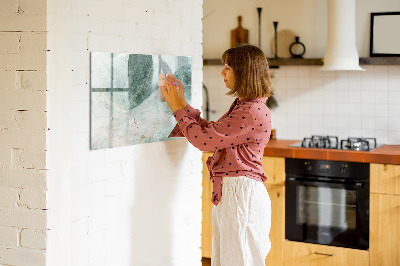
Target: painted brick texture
{"points": [[23, 132], [117, 206], [96, 197]]}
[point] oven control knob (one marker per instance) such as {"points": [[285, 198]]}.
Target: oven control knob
{"points": [[343, 168], [308, 166]]}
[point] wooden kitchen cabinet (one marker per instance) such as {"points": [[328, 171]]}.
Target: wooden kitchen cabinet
{"points": [[385, 178], [384, 236], [206, 225], [274, 168], [385, 215], [305, 254], [277, 233]]}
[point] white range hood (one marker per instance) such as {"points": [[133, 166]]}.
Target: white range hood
{"points": [[341, 51]]}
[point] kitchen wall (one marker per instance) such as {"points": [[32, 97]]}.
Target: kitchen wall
{"points": [[343, 103], [135, 205]]}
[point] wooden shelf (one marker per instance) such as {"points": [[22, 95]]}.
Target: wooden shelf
{"points": [[274, 63], [380, 61]]}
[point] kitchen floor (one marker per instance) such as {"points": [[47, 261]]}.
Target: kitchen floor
{"points": [[206, 261]]}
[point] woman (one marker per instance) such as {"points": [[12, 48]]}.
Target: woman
{"points": [[242, 208]]}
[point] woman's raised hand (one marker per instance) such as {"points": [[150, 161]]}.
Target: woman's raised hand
{"points": [[181, 90], [174, 94]]}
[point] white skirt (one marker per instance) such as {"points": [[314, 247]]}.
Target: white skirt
{"points": [[241, 223]]}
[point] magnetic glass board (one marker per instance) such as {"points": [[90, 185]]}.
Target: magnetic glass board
{"points": [[126, 108]]}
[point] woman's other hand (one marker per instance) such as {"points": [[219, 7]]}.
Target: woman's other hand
{"points": [[173, 90]]}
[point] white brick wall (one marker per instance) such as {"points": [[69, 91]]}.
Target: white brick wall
{"points": [[23, 132], [135, 205]]}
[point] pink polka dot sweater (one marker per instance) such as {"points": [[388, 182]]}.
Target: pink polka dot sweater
{"points": [[238, 139]]}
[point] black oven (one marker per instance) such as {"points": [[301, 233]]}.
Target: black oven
{"points": [[327, 202]]}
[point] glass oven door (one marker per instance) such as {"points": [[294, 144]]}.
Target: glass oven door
{"points": [[327, 213]]}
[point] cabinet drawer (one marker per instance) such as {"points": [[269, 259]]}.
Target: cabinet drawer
{"points": [[304, 254]]}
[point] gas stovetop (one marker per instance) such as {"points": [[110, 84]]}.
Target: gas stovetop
{"points": [[332, 142]]}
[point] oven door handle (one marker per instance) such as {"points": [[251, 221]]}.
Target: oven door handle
{"points": [[357, 185]]}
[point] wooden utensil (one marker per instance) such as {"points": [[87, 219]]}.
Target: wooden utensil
{"points": [[239, 35]]}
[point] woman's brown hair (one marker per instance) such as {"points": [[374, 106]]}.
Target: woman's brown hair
{"points": [[250, 66]]}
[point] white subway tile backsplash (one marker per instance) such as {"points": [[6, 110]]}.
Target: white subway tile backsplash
{"points": [[355, 96], [342, 109], [328, 74], [369, 70], [367, 123], [394, 110], [355, 122], [345, 102], [329, 123], [291, 71], [304, 82], [342, 122], [381, 84], [342, 96], [367, 96], [317, 131], [292, 83], [315, 71], [329, 109], [355, 132], [367, 110], [381, 123], [394, 123], [316, 83], [381, 110], [394, 137], [342, 81], [394, 97], [381, 97], [342, 133], [394, 71], [317, 120], [329, 93], [304, 72], [367, 133], [381, 136], [380, 71], [367, 83], [293, 120], [304, 108]]}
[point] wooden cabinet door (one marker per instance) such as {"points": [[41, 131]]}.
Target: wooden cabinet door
{"points": [[385, 178], [277, 233], [206, 225], [274, 168], [304, 254], [384, 237]]}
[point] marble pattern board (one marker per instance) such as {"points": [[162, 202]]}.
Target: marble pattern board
{"points": [[126, 108]]}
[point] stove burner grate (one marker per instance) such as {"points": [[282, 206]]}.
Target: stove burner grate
{"points": [[327, 142], [332, 142], [358, 144]]}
